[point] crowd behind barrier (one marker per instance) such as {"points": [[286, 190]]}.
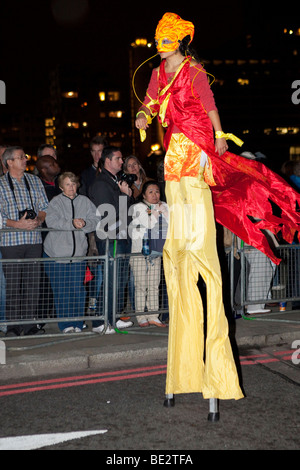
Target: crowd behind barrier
{"points": [[80, 295], [72, 291], [257, 284], [58, 268]]}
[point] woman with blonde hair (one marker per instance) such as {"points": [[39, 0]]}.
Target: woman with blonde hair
{"points": [[133, 166]]}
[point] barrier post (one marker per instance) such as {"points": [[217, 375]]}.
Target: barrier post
{"points": [[2, 352]]}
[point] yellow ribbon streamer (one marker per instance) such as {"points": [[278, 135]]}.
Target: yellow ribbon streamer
{"points": [[143, 131], [236, 140]]}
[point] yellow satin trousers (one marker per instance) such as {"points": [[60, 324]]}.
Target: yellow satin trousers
{"points": [[190, 249]]}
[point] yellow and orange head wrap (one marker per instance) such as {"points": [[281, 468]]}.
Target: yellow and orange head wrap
{"points": [[170, 30]]}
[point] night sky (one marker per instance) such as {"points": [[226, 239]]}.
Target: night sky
{"points": [[38, 34]]}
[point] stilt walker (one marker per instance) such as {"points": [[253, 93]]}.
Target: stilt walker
{"points": [[204, 182]]}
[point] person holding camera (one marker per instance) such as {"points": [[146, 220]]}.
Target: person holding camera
{"points": [[113, 196], [23, 205], [132, 167], [149, 231]]}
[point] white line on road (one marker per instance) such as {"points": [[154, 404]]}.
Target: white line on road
{"points": [[36, 441]]}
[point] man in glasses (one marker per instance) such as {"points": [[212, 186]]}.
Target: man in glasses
{"points": [[23, 205]]}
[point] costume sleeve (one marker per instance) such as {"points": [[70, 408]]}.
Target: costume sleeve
{"points": [[151, 94], [201, 87]]}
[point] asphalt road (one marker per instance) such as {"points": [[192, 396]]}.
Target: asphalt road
{"points": [[124, 409]]}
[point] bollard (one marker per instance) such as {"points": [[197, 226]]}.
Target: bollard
{"points": [[213, 415], [2, 352]]}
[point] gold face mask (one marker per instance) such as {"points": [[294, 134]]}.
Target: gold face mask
{"points": [[170, 30]]}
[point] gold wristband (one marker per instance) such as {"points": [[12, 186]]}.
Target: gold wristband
{"points": [[146, 116]]}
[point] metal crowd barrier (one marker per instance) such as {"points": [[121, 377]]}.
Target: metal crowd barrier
{"points": [[256, 280], [57, 290], [40, 291]]}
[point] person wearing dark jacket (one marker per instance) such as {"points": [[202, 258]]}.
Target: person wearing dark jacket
{"points": [[112, 199], [88, 175]]}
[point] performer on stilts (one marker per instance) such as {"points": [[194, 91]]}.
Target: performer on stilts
{"points": [[204, 182]]}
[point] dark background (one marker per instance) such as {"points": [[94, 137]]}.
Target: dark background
{"points": [[96, 35]]}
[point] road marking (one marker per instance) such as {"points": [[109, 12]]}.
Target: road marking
{"points": [[36, 441], [65, 382], [112, 376]]}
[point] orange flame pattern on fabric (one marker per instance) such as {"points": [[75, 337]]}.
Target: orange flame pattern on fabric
{"points": [[174, 28]]}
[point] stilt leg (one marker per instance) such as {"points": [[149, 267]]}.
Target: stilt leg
{"points": [[213, 414], [169, 400]]}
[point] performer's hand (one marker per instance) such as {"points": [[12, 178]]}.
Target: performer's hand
{"points": [[221, 146], [141, 122]]}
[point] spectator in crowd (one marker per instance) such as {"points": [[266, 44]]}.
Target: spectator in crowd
{"points": [[97, 145], [87, 178], [66, 212], [2, 168], [133, 166], [23, 205], [3, 328], [161, 179], [112, 199], [261, 269], [295, 176], [47, 149], [149, 226], [48, 170]]}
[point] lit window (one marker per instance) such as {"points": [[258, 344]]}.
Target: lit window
{"points": [[155, 147], [219, 81], [295, 153], [48, 122], [287, 130], [113, 95], [84, 124], [267, 131], [115, 114], [70, 94], [243, 81], [142, 42], [74, 125], [102, 95]]}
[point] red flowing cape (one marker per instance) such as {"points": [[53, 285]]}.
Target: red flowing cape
{"points": [[243, 189]]}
